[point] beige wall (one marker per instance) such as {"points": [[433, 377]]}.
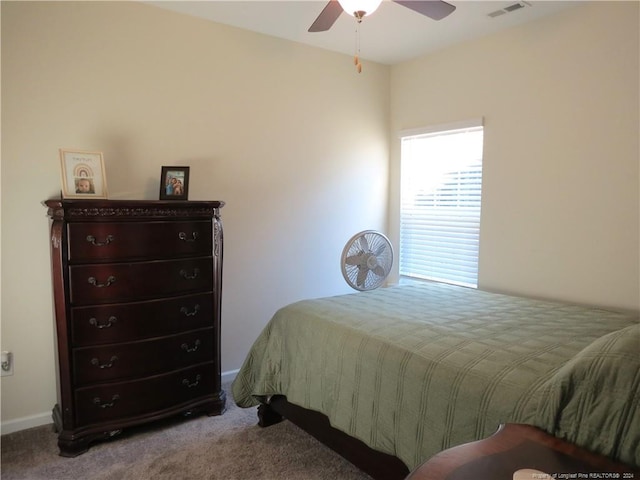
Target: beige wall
{"points": [[559, 97], [289, 136]]}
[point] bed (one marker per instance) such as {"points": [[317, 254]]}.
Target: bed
{"points": [[408, 371]]}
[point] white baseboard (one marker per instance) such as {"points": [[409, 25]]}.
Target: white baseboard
{"points": [[31, 421], [24, 423], [229, 376]]}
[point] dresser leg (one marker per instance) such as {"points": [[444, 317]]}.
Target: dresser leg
{"points": [[71, 446], [74, 448]]}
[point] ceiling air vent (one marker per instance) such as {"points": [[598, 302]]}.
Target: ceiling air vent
{"points": [[509, 9]]}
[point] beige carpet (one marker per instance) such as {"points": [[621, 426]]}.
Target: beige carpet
{"points": [[231, 446]]}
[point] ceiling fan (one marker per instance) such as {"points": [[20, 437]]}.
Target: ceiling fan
{"points": [[434, 9]]}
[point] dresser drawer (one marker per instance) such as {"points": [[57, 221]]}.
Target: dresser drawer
{"points": [[124, 322], [130, 360], [120, 282], [118, 401], [90, 242]]}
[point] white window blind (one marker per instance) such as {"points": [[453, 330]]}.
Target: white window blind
{"points": [[441, 183]]}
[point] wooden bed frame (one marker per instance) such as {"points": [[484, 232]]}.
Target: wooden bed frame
{"points": [[378, 465], [498, 454]]}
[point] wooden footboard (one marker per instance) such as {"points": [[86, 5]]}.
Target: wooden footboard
{"points": [[380, 466]]}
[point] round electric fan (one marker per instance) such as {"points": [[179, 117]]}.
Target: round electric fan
{"points": [[366, 260]]}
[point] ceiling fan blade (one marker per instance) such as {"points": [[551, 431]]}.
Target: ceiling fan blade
{"points": [[434, 9], [327, 17]]}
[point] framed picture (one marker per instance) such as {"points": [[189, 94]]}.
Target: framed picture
{"points": [[174, 183], [83, 174]]}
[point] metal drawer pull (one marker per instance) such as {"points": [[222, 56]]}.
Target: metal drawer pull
{"points": [[94, 282], [93, 321], [186, 348], [187, 313], [92, 240], [188, 384], [96, 362], [97, 402], [186, 275], [183, 236]]}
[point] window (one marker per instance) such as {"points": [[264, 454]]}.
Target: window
{"points": [[441, 185]]}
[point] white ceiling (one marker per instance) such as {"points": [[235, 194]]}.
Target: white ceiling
{"points": [[392, 34]]}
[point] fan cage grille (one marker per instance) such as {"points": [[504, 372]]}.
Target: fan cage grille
{"points": [[367, 259]]}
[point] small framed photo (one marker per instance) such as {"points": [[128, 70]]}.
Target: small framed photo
{"points": [[83, 174], [174, 183]]}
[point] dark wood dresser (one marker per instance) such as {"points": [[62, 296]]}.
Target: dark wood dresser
{"points": [[137, 291]]}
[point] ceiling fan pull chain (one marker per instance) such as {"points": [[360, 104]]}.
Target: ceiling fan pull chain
{"points": [[356, 58]]}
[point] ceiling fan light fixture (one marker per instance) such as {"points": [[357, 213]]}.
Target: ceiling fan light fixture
{"points": [[359, 8]]}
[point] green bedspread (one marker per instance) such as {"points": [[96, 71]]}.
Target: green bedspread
{"points": [[415, 369]]}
